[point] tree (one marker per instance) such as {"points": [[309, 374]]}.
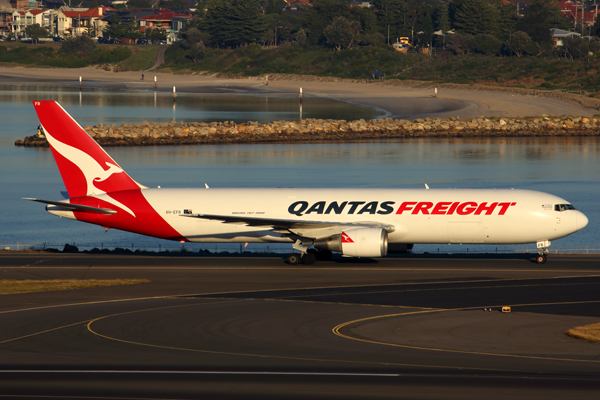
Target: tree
{"points": [[192, 36], [234, 22], [300, 38], [461, 44], [442, 20], [366, 18], [389, 15], [576, 48], [507, 21], [156, 34], [138, 4], [196, 52], [539, 18], [114, 28], [596, 27], [518, 42], [475, 17], [341, 32], [174, 4], [488, 45], [426, 36], [275, 6], [35, 31], [82, 45], [320, 15]]}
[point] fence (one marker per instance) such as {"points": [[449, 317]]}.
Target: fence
{"points": [[257, 248]]}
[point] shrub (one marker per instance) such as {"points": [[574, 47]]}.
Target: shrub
{"points": [[488, 44], [80, 44]]}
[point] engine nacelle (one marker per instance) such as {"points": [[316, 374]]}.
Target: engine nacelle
{"points": [[359, 242]]}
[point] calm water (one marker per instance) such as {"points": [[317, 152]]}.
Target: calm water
{"points": [[567, 167]]}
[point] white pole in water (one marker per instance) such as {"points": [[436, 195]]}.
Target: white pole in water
{"points": [[154, 81], [435, 92], [80, 83], [300, 95], [174, 95]]}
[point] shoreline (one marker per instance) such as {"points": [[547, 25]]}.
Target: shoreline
{"points": [[395, 97]]}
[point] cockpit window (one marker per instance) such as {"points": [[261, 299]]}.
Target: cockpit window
{"points": [[563, 207]]}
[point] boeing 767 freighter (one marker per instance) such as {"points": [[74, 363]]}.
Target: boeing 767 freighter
{"points": [[317, 222]]}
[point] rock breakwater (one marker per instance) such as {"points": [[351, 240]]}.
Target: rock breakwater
{"points": [[181, 133]]}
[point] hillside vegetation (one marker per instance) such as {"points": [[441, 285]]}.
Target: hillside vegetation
{"points": [[359, 63], [356, 63]]}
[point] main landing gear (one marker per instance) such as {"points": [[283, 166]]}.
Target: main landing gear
{"points": [[541, 258], [306, 259], [309, 257]]}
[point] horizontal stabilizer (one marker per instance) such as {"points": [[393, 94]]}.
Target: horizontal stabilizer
{"points": [[74, 207]]}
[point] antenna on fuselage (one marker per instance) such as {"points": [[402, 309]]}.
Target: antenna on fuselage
{"points": [[426, 186]]}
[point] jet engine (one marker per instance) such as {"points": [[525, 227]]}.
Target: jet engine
{"points": [[359, 242]]}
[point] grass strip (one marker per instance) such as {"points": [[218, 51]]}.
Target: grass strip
{"points": [[140, 60], [591, 333], [10, 286]]}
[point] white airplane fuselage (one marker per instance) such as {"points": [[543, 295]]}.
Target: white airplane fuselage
{"points": [[416, 215]]}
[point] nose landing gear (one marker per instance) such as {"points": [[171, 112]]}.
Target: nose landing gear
{"points": [[542, 251]]}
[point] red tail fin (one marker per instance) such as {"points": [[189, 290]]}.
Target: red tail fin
{"points": [[84, 166]]}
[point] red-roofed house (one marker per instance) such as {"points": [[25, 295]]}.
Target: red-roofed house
{"points": [[577, 13], [167, 20], [22, 19], [79, 22]]}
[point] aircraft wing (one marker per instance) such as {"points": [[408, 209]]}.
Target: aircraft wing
{"points": [[303, 228], [74, 207]]}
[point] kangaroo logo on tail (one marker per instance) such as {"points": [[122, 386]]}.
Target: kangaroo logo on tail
{"points": [[87, 170]]}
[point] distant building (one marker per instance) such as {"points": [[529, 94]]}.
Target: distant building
{"points": [[171, 22], [6, 11], [27, 4], [578, 13], [22, 19], [558, 35]]}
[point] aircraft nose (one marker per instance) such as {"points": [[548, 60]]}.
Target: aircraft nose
{"points": [[581, 221]]}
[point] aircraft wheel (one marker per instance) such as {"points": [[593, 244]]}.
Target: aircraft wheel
{"points": [[309, 259], [541, 258], [294, 258]]}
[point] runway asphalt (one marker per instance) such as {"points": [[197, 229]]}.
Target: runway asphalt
{"points": [[254, 327]]}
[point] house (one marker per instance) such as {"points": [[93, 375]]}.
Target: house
{"points": [[578, 13], [22, 19], [78, 22], [558, 35], [167, 20]]}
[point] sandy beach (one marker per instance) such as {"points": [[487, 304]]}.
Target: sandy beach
{"points": [[401, 101]]}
